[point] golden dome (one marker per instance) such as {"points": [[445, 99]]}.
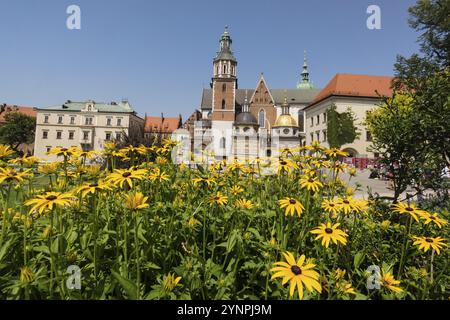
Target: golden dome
{"points": [[285, 120]]}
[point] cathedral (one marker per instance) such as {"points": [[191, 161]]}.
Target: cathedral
{"points": [[245, 123], [234, 123]]}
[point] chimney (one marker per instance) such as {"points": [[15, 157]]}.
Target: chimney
{"points": [[162, 117]]}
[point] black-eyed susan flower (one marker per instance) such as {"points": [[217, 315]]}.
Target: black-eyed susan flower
{"points": [[121, 176], [49, 201], [5, 151], [27, 161], [136, 201], [310, 183], [26, 275], [331, 206], [203, 180], [297, 273], [388, 281], [345, 287], [291, 206], [427, 243], [244, 204], [49, 168], [170, 282], [328, 232], [335, 152], [10, 175], [92, 188], [63, 152], [218, 198], [158, 175], [348, 205], [433, 218], [284, 165], [235, 190], [411, 209]]}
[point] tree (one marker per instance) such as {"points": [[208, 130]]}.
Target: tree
{"points": [[341, 127], [18, 128]]}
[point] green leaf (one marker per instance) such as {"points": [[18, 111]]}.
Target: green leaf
{"points": [[129, 287], [4, 250], [359, 258]]}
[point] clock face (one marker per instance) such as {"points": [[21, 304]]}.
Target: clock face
{"points": [[286, 131]]}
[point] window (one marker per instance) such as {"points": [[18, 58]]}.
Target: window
{"points": [[72, 120], [301, 121], [118, 136], [58, 135], [119, 122], [85, 135], [368, 136], [223, 104], [312, 121], [232, 70], [312, 137], [262, 119], [88, 121], [108, 136], [71, 134], [45, 119], [317, 119], [60, 119], [224, 87], [324, 117], [324, 135], [44, 134], [318, 135], [108, 121], [48, 148], [222, 143], [224, 69]]}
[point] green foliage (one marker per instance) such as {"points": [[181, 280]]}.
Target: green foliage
{"points": [[19, 128], [341, 127]]}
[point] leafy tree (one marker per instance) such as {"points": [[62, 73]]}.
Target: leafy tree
{"points": [[341, 127], [18, 128]]}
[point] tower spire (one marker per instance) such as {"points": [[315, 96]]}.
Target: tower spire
{"points": [[304, 83]]}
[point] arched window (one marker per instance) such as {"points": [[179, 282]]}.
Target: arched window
{"points": [[224, 87], [222, 143], [224, 69], [223, 104], [262, 118]]}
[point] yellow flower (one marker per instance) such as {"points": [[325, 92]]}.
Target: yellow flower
{"points": [[388, 281], [335, 152], [348, 205], [63, 152], [411, 209], [331, 206], [285, 165], [385, 224], [11, 175], [136, 201], [92, 188], [201, 180], [426, 243], [310, 183], [49, 201], [158, 175], [236, 190], [25, 160], [298, 273], [193, 223], [339, 274], [26, 275], [328, 232], [244, 204], [5, 151], [48, 232], [292, 206], [170, 282], [120, 176], [218, 198], [49, 168], [345, 287], [433, 217]]}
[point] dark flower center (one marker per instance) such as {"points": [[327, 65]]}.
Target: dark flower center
{"points": [[409, 209], [310, 180], [292, 201], [296, 270], [51, 198], [429, 240], [93, 185], [216, 198], [432, 217], [283, 163], [346, 201], [64, 149], [126, 174], [329, 231], [331, 204]]}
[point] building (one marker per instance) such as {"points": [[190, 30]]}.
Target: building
{"points": [[29, 111], [161, 127], [360, 93], [255, 118], [87, 125], [233, 123]]}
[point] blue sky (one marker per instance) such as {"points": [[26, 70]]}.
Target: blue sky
{"points": [[158, 54]]}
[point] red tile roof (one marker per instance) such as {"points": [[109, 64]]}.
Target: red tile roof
{"points": [[355, 85], [158, 124], [5, 109]]}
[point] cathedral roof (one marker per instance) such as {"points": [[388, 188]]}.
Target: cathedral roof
{"points": [[285, 120], [246, 118], [294, 96]]}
